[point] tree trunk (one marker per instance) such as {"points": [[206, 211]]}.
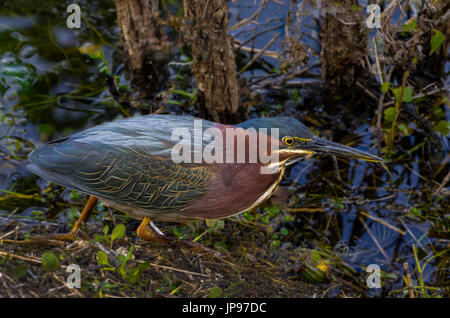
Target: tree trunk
{"points": [[145, 46], [214, 67], [344, 43]]}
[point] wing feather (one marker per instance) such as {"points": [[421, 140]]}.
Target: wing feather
{"points": [[126, 162]]}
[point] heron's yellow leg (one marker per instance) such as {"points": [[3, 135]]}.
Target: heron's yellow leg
{"points": [[83, 217], [145, 233]]}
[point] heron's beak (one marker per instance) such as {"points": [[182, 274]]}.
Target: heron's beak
{"points": [[323, 146]]}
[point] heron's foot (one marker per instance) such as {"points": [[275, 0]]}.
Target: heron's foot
{"points": [[92, 201], [145, 233]]}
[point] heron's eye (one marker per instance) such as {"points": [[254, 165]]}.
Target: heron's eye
{"points": [[288, 141]]}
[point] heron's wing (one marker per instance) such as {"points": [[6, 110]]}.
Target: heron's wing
{"points": [[112, 163]]}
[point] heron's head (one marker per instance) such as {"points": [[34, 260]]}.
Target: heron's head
{"points": [[296, 139]]}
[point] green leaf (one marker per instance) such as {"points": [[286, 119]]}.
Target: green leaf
{"points": [[102, 258], [118, 232], [98, 238], [416, 211], [403, 129], [143, 266], [438, 111], [275, 243], [397, 92], [273, 210], [410, 27], [105, 229], [443, 127], [130, 253], [74, 195], [136, 273], [19, 271], [436, 40], [90, 49], [214, 224], [389, 114], [122, 259], [215, 292], [249, 216], [178, 233], [385, 87], [50, 262], [356, 8], [407, 94]]}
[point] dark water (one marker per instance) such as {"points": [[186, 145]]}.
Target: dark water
{"points": [[49, 89]]}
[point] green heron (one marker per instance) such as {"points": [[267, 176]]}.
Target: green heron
{"points": [[130, 165]]}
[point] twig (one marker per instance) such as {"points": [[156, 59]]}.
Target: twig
{"points": [[259, 54], [347, 23], [403, 14], [381, 221], [348, 284], [29, 259], [201, 235], [442, 185], [388, 197], [263, 78], [417, 96], [310, 210], [35, 240], [387, 13], [256, 35], [374, 238], [255, 15], [338, 175], [271, 54], [420, 176], [408, 281], [111, 84], [7, 234], [377, 61], [175, 269], [284, 79], [412, 235], [398, 102], [111, 254], [74, 290], [366, 90]]}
